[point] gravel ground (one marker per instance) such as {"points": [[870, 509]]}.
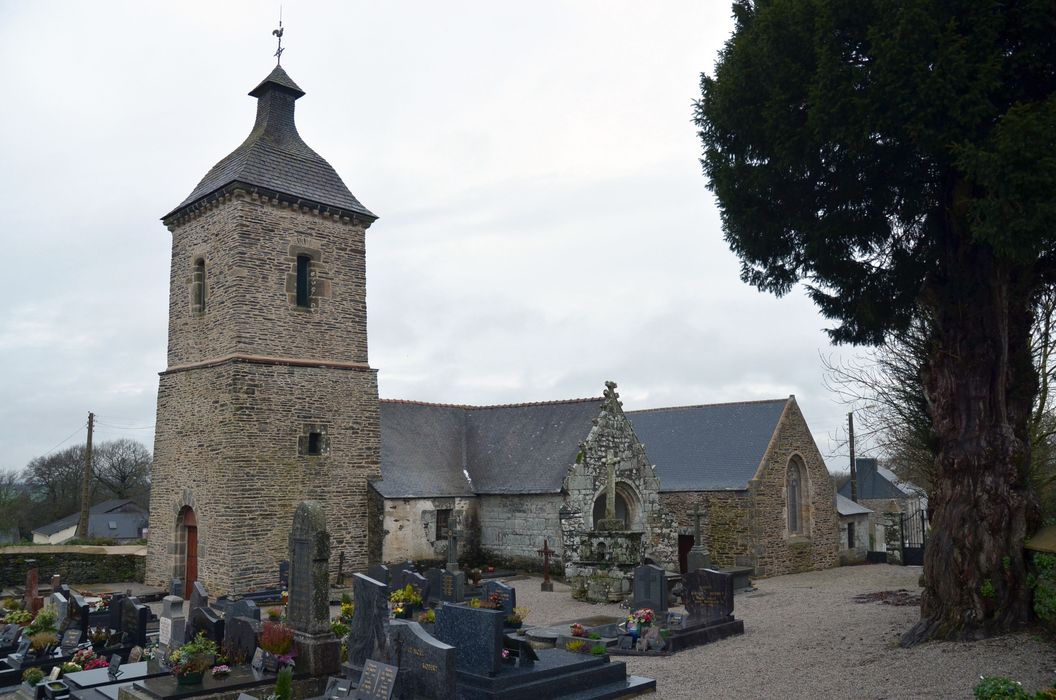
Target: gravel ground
{"points": [[806, 637]]}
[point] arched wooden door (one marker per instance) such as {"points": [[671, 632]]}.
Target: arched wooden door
{"points": [[187, 549]]}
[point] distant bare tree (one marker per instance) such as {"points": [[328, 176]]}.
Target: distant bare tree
{"points": [[54, 484], [123, 467]]}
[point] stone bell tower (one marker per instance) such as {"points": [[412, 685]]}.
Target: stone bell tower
{"points": [[267, 399]]}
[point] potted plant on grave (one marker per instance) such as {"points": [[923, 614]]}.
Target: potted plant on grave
{"points": [[98, 636], [45, 621], [577, 630], [42, 642], [96, 663], [276, 639], [32, 676], [428, 617], [516, 618], [70, 667], [53, 690], [638, 621], [18, 617], [405, 601], [190, 661], [492, 602]]}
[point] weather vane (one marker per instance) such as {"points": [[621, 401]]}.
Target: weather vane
{"points": [[278, 33]]}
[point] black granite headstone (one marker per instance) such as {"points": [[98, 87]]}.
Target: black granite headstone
{"points": [[520, 649], [507, 594], [708, 595], [199, 597], [8, 635], [70, 639], [379, 572], [367, 638], [80, 614], [427, 664], [476, 635], [377, 681], [205, 621], [134, 619], [240, 638], [650, 588], [432, 575], [284, 574], [115, 609], [242, 608], [114, 670], [420, 583]]}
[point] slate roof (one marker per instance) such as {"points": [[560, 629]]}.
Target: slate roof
{"points": [[112, 507], [514, 449], [275, 159], [876, 482], [845, 506], [707, 448]]}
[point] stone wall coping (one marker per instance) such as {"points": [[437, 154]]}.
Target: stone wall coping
{"points": [[133, 549], [266, 360]]}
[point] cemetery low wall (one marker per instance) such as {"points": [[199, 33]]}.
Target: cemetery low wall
{"points": [[81, 565]]}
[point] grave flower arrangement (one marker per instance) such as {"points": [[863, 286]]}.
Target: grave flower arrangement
{"points": [[642, 617], [276, 639], [190, 661], [516, 618], [348, 608], [45, 621], [98, 635], [41, 641], [428, 616], [96, 663], [404, 601], [578, 630], [32, 675], [220, 670], [83, 656], [70, 667]]}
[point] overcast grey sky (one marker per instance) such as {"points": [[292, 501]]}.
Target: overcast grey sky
{"points": [[544, 223]]}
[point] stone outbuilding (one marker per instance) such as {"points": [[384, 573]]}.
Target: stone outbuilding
{"points": [[899, 509], [515, 475], [854, 530]]}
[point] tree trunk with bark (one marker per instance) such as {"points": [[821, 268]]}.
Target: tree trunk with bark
{"points": [[979, 383]]}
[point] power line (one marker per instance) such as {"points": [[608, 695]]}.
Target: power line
{"points": [[67, 439]]}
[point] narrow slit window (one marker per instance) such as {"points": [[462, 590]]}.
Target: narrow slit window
{"points": [[303, 296], [199, 285]]}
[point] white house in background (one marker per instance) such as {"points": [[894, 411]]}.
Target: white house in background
{"points": [[118, 519], [854, 530]]}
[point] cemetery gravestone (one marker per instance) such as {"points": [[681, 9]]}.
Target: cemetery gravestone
{"points": [[32, 601], [70, 639], [61, 607], [428, 665], [242, 608], [433, 577], [8, 635], [367, 638], [134, 619], [521, 650], [476, 635], [507, 595], [419, 582], [257, 664], [80, 614], [708, 595], [379, 572], [377, 682], [650, 588], [284, 574], [114, 670], [176, 587], [240, 639], [308, 609], [199, 597], [452, 587], [205, 621], [114, 611], [171, 623]]}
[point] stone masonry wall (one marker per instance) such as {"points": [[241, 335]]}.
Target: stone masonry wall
{"points": [[250, 248], [231, 433], [409, 528], [74, 567], [726, 525], [228, 445], [636, 481], [512, 528], [777, 551]]}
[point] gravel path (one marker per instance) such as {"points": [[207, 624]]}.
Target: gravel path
{"points": [[806, 637]]}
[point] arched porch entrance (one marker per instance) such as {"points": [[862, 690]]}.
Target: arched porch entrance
{"points": [[186, 565]]}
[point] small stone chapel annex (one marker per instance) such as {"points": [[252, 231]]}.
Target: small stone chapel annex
{"points": [[268, 400]]}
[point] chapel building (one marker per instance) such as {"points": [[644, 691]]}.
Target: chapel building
{"points": [[268, 398]]}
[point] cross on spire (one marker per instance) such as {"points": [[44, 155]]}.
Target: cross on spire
{"points": [[278, 33]]}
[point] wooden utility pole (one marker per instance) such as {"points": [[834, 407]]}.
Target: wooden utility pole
{"points": [[86, 483], [854, 467]]}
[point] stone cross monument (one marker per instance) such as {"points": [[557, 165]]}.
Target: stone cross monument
{"points": [[698, 556], [610, 522], [452, 549], [308, 610]]}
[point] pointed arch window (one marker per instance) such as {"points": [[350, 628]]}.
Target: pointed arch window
{"points": [[795, 489], [198, 286]]}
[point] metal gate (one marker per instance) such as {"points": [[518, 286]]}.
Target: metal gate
{"points": [[914, 537]]}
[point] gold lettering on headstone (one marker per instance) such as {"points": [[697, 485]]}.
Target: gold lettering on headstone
{"points": [[430, 667]]}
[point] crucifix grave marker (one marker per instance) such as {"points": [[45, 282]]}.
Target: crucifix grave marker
{"points": [[698, 556], [547, 585]]}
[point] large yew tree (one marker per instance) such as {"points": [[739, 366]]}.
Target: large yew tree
{"points": [[899, 156]]}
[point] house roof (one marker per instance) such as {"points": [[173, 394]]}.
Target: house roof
{"points": [[845, 506], [876, 482], [708, 448], [121, 526], [275, 159], [427, 450], [106, 507]]}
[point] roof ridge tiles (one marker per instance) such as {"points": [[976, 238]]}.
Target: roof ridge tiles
{"points": [[556, 402], [708, 405]]}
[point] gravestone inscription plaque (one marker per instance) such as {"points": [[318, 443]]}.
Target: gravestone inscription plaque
{"points": [[709, 595], [377, 682]]}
